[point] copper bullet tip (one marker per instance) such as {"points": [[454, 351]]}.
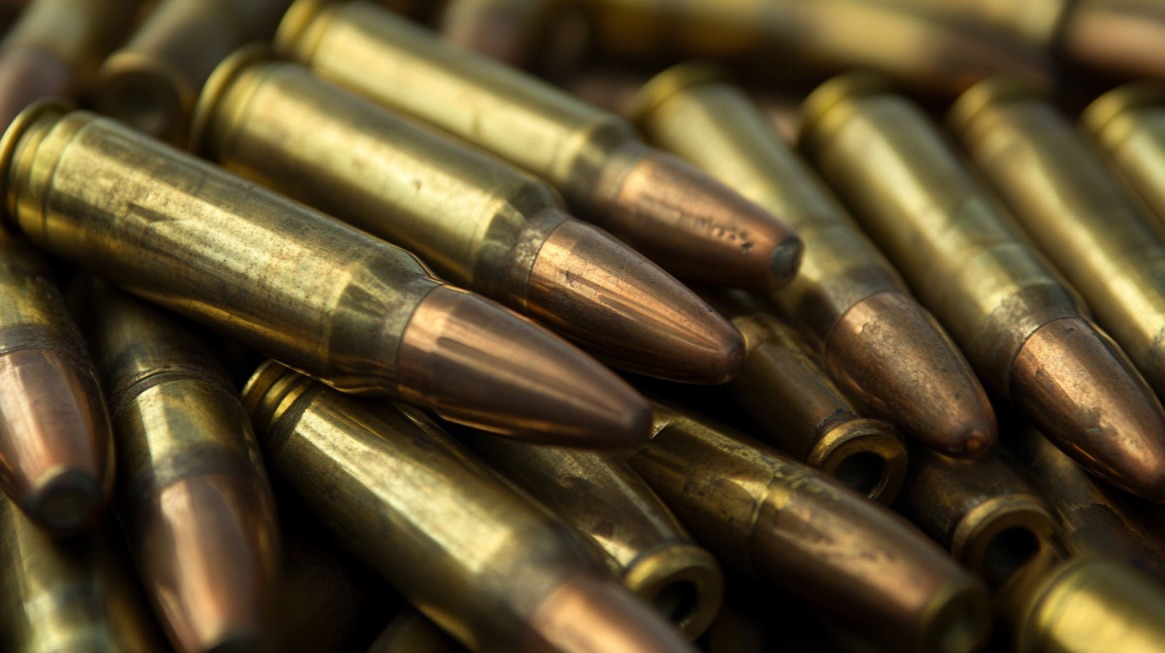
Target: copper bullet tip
{"points": [[697, 228], [66, 502], [627, 311], [1124, 37], [1082, 392], [476, 363], [891, 355]]}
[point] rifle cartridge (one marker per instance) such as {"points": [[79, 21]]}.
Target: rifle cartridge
{"points": [[1128, 125]]}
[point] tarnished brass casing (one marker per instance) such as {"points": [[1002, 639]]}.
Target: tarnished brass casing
{"points": [[1022, 327], [152, 81], [795, 527], [1128, 125], [682, 219], [604, 499], [980, 510], [489, 566], [75, 594], [411, 632], [362, 315], [193, 492]]}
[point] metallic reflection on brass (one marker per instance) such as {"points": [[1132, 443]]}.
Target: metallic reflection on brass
{"points": [[1022, 328], [690, 224], [1128, 124], [793, 526], [490, 567], [411, 632], [873, 338], [352, 310]]}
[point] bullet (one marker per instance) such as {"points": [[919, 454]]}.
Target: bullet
{"points": [[1021, 327], [480, 223], [872, 337], [604, 499], [56, 449], [689, 224], [54, 49], [1119, 37], [153, 80], [68, 596], [193, 494], [990, 520], [801, 412], [1084, 604], [801, 530], [492, 568], [356, 312], [411, 632], [503, 30], [1127, 125]]}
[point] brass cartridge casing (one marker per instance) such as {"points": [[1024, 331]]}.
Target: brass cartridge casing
{"points": [[1128, 126], [873, 337], [1080, 217], [356, 312], [193, 493], [800, 412], [411, 632], [797, 528], [690, 224], [480, 223], [1035, 21], [152, 81], [503, 30], [1018, 323], [73, 595], [56, 448], [980, 510], [489, 566], [604, 499]]}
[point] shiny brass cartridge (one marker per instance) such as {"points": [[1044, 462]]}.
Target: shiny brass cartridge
{"points": [[690, 224], [1018, 323], [872, 336], [492, 568], [356, 312], [803, 531], [604, 499], [480, 223], [56, 451], [801, 412], [980, 510], [152, 81], [68, 595], [193, 494], [1128, 125]]}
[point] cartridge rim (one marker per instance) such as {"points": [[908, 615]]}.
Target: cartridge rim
{"points": [[10, 142], [289, 39], [823, 111], [681, 580], [981, 97], [656, 91], [271, 391], [130, 75], [863, 438], [204, 121], [1102, 117], [977, 542]]}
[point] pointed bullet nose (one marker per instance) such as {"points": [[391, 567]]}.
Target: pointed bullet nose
{"points": [[891, 355], [626, 310], [1078, 388], [476, 363]]}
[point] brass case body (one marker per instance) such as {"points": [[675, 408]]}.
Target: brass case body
{"points": [[182, 233], [1035, 21], [791, 525], [606, 500], [68, 596], [474, 555], [193, 490], [1082, 220]]}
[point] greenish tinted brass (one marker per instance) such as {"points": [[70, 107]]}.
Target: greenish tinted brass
{"points": [[1035, 21], [193, 492], [793, 526], [1128, 125], [68, 596], [604, 499]]}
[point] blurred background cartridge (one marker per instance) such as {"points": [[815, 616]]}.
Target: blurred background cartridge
{"points": [[1128, 125], [363, 315], [685, 221]]}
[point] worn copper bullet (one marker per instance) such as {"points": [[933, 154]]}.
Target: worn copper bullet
{"points": [[797, 528], [1020, 326], [801, 412], [152, 81], [1128, 125], [685, 221], [193, 494], [605, 500], [480, 223], [503, 30], [411, 632], [872, 336], [990, 520], [54, 49], [1120, 37], [56, 452], [356, 312], [492, 568], [74, 595]]}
